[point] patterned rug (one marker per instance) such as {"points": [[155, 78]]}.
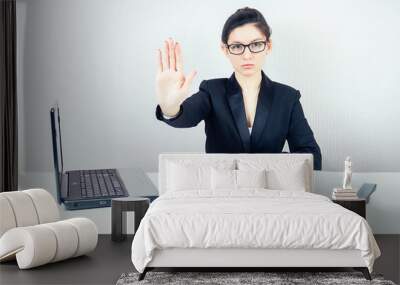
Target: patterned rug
{"points": [[242, 278]]}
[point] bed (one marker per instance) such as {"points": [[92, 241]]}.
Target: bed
{"points": [[247, 211]]}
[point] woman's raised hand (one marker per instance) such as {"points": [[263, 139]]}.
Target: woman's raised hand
{"points": [[172, 86]]}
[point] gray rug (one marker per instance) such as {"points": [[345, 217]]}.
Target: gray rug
{"points": [[229, 278]]}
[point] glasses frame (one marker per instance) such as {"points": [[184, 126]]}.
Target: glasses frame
{"points": [[246, 46]]}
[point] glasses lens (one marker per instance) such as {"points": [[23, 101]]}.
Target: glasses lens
{"points": [[236, 48], [257, 46]]}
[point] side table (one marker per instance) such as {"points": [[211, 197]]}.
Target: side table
{"points": [[119, 207], [356, 205]]}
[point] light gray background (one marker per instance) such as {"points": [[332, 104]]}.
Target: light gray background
{"points": [[97, 58]]}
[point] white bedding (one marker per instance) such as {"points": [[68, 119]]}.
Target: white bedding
{"points": [[250, 218]]}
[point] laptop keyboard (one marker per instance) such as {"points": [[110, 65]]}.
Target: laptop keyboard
{"points": [[99, 183]]}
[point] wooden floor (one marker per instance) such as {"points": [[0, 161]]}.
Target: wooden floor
{"points": [[111, 259]]}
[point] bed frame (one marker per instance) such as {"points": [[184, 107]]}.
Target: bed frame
{"points": [[238, 259], [248, 259]]}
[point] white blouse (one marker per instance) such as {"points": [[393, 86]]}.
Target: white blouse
{"points": [[249, 130]]}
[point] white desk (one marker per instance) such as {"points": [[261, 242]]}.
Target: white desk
{"points": [[136, 182]]}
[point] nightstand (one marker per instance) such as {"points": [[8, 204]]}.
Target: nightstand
{"points": [[356, 205], [119, 207]]}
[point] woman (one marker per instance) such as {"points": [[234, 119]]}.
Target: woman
{"points": [[246, 113]]}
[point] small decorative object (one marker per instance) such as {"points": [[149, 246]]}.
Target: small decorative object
{"points": [[346, 192], [347, 174]]}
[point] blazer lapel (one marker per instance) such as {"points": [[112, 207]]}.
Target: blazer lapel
{"points": [[263, 109], [236, 103]]}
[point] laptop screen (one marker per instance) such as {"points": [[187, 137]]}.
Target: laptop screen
{"points": [[57, 148]]}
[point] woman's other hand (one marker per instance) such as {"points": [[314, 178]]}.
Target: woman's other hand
{"points": [[172, 86]]}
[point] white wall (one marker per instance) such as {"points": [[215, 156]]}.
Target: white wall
{"points": [[97, 58]]}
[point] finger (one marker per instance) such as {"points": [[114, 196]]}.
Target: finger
{"points": [[173, 65], [166, 56], [171, 54], [178, 57], [159, 61], [189, 80]]}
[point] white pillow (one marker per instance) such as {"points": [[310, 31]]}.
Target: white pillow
{"points": [[281, 174], [223, 179], [251, 178], [184, 174], [237, 179], [291, 178]]}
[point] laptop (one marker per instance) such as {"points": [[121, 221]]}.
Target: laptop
{"points": [[82, 189]]}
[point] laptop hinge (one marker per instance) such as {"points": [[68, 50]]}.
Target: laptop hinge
{"points": [[64, 186]]}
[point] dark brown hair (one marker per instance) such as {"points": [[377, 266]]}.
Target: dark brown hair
{"points": [[244, 16]]}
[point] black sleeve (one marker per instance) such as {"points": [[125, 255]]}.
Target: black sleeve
{"points": [[192, 110], [300, 136]]}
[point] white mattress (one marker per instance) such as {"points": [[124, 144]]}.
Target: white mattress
{"points": [[251, 218]]}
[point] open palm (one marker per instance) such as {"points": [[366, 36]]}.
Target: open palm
{"points": [[172, 86]]}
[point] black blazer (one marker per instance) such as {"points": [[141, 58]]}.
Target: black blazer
{"points": [[279, 117]]}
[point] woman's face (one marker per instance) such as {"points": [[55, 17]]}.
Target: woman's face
{"points": [[245, 35]]}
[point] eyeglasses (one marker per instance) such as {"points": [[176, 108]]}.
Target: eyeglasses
{"points": [[255, 47]]}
